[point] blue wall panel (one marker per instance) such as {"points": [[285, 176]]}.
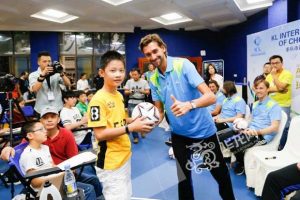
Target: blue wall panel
{"points": [[234, 43], [277, 14], [179, 43], [43, 41]]}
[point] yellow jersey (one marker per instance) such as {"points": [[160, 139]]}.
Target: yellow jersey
{"points": [[283, 99], [107, 110]]}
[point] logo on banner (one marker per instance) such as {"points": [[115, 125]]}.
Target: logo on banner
{"points": [[257, 47]]}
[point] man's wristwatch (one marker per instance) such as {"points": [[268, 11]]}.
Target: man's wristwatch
{"points": [[193, 105]]}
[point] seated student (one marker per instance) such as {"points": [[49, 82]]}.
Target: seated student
{"points": [[62, 146], [72, 119], [233, 107], [90, 95], [281, 182], [266, 116], [215, 108], [35, 156], [18, 116], [81, 104]]}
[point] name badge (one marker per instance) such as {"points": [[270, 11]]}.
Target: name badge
{"points": [[50, 96]]}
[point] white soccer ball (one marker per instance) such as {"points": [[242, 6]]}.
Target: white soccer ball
{"points": [[240, 124], [147, 110], [171, 153]]}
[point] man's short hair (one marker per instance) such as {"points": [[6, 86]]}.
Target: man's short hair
{"points": [[43, 53], [152, 38], [276, 56], [214, 82], [109, 56]]}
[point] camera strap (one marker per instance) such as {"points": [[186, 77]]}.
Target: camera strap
{"points": [[48, 82]]}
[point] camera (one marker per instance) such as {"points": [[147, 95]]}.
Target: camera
{"points": [[57, 68], [7, 82]]}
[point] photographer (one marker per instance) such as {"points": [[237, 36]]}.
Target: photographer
{"points": [[45, 82]]}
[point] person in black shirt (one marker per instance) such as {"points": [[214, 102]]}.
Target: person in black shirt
{"points": [[24, 84], [98, 81]]}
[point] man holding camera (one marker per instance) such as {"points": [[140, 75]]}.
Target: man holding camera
{"points": [[45, 82]]}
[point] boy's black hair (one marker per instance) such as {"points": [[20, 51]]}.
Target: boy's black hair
{"points": [[27, 128], [110, 56], [135, 70], [80, 92], [68, 94], [90, 92], [82, 74]]}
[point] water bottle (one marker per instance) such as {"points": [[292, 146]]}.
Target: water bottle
{"points": [[94, 142], [70, 182], [51, 190]]}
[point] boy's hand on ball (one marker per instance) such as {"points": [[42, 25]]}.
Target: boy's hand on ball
{"points": [[141, 124]]}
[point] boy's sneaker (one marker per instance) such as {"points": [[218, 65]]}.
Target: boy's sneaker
{"points": [[143, 135], [239, 169], [136, 140]]}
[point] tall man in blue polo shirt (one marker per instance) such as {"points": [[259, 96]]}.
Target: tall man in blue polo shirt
{"points": [[178, 89]]}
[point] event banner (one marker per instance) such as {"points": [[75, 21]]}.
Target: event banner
{"points": [[283, 40]]}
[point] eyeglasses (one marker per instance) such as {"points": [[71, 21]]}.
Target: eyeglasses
{"points": [[40, 129], [275, 63]]}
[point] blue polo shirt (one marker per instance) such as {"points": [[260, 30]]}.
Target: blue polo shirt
{"points": [[220, 98], [181, 80], [263, 114], [232, 106]]}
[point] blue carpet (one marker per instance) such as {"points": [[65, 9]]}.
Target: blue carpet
{"points": [[154, 174]]}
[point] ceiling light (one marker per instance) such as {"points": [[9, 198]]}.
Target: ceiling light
{"points": [[116, 2], [54, 16], [254, 1], [54, 13], [252, 4], [171, 16]]}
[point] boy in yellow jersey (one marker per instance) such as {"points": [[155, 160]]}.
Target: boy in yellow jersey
{"points": [[106, 115]]}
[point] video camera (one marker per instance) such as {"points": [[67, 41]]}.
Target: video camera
{"points": [[7, 82], [57, 68]]}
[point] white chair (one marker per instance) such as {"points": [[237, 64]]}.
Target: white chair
{"points": [[249, 159], [268, 161]]}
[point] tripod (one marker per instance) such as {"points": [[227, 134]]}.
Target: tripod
{"points": [[9, 119]]}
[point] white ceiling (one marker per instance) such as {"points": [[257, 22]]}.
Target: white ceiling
{"points": [[98, 16]]}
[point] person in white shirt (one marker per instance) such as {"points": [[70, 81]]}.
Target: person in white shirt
{"points": [[137, 89], [212, 74], [71, 118], [82, 83], [35, 156], [46, 85]]}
